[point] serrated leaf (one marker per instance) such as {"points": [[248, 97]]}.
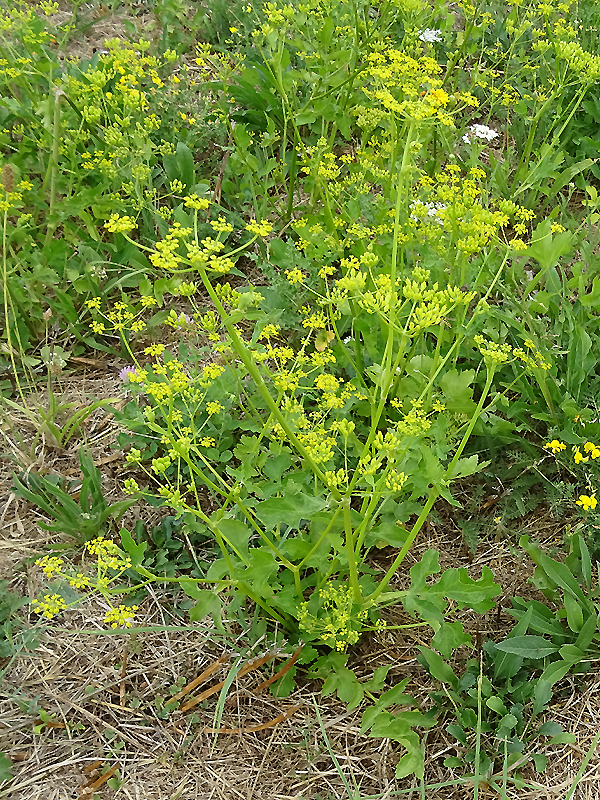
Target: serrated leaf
{"points": [[235, 533], [290, 510], [450, 636], [458, 391], [346, 684]]}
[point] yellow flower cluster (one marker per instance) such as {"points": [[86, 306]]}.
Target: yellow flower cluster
{"points": [[587, 502], [592, 450], [337, 622], [50, 606], [399, 85], [121, 616], [108, 554]]}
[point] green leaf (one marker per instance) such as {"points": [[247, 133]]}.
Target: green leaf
{"points": [[479, 595], [562, 576], [438, 668], [235, 533], [458, 392], [5, 768], [528, 646], [574, 612], [185, 163], [548, 249], [376, 683], [396, 696], [133, 550], [466, 466], [495, 703], [289, 510], [570, 652], [208, 604], [540, 761], [423, 569], [450, 636], [343, 681], [458, 733], [550, 729], [261, 572], [587, 633], [564, 738], [452, 762]]}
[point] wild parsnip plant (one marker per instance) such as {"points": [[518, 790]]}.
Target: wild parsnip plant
{"points": [[399, 175]]}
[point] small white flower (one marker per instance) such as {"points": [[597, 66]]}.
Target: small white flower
{"points": [[430, 35], [480, 132], [432, 211]]}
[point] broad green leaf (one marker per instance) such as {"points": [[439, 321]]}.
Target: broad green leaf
{"points": [[587, 633], [207, 603], [289, 510], [542, 695], [540, 761], [546, 248], [5, 768], [376, 683], [528, 646], [396, 696], [555, 672], [235, 533], [570, 652], [458, 733], [261, 572], [506, 724], [438, 668], [133, 550], [562, 576], [574, 612], [450, 636], [550, 729], [479, 595], [458, 391], [466, 466], [343, 681], [419, 572], [564, 738], [496, 704]]}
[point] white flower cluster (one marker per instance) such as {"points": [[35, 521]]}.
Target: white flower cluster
{"points": [[430, 35], [432, 211], [480, 132]]}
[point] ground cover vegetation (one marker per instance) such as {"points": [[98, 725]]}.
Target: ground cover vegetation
{"points": [[344, 255]]}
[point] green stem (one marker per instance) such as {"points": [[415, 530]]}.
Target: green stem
{"points": [[352, 570], [435, 491]]}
